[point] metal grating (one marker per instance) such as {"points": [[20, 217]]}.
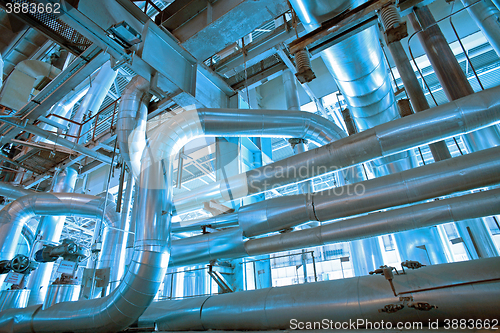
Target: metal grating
{"points": [[49, 22]]}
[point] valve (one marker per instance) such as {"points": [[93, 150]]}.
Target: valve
{"points": [[412, 264], [19, 264], [422, 306], [68, 250], [386, 271], [391, 308]]}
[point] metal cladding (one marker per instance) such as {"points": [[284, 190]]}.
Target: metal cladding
{"points": [[463, 290], [462, 173], [131, 123], [461, 116]]}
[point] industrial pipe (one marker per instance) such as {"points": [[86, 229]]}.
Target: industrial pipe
{"points": [[465, 289], [454, 118], [462, 173], [487, 17], [49, 230]]}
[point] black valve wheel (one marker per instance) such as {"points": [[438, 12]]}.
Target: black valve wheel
{"points": [[20, 263]]}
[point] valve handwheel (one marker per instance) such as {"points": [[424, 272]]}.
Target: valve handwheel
{"points": [[20, 263]]}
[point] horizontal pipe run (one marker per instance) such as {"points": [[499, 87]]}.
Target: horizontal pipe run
{"points": [[429, 214], [464, 173], [463, 290], [461, 116]]}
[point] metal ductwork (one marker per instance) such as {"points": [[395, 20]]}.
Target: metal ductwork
{"points": [[454, 118], [28, 75], [462, 290], [463, 173], [360, 71], [131, 124], [487, 17]]}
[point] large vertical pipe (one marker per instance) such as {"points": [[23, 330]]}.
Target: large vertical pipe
{"points": [[418, 100], [292, 103], [119, 249], [455, 86], [487, 17], [93, 100], [49, 230]]}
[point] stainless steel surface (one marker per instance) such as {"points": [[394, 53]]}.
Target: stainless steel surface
{"points": [[463, 173], [12, 191], [49, 230], [454, 118], [292, 103], [13, 299], [455, 86], [380, 223], [92, 101], [487, 17], [115, 239], [465, 289], [131, 123], [418, 100], [58, 293]]}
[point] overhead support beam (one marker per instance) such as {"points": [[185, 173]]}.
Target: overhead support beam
{"points": [[81, 68], [57, 140], [205, 28]]}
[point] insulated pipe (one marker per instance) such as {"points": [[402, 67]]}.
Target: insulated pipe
{"points": [[449, 73], [16, 214], [12, 191], [418, 100], [360, 71], [93, 100], [459, 174], [114, 243], [487, 17], [461, 116], [292, 103], [131, 123], [463, 290], [455, 86], [154, 206], [49, 230], [429, 214]]}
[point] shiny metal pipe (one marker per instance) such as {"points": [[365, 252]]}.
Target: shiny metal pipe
{"points": [[455, 86], [115, 239], [409, 187], [402, 219], [49, 230], [12, 191], [449, 73], [292, 103], [487, 17], [360, 71], [131, 123], [17, 213], [454, 118], [93, 100], [469, 288], [418, 100]]}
